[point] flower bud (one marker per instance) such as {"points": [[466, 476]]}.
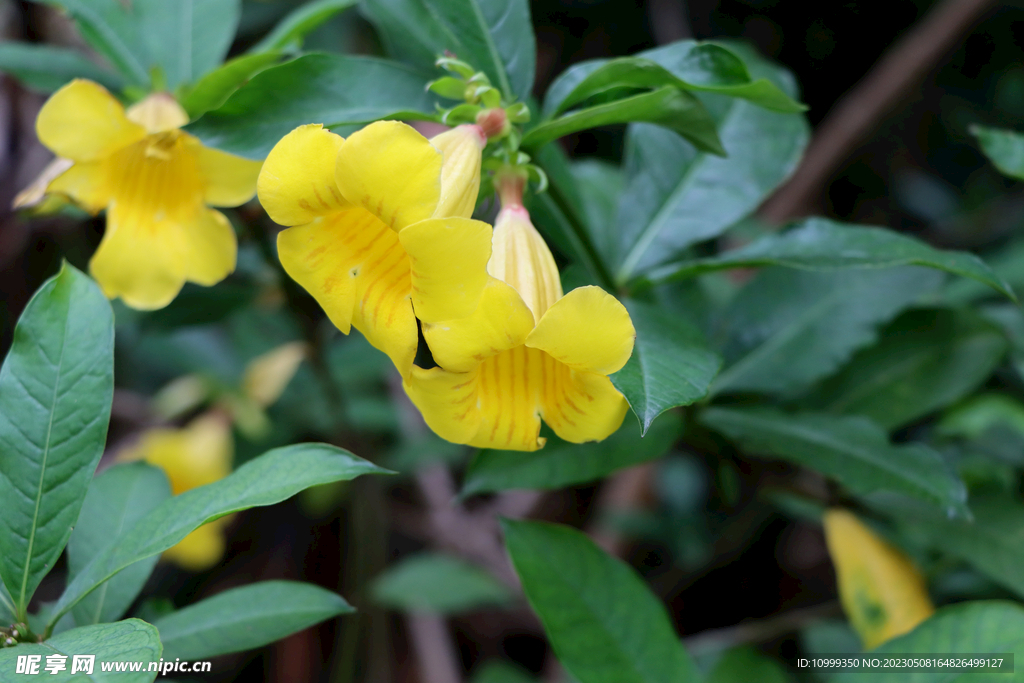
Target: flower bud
{"points": [[462, 148]]}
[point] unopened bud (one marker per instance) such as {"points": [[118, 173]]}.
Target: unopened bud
{"points": [[494, 123], [462, 148]]}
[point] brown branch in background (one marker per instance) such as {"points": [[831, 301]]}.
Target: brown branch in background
{"points": [[899, 71], [762, 630], [434, 649]]}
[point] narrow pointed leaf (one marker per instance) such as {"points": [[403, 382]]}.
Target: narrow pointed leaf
{"points": [[246, 618], [335, 90], [671, 364], [603, 622], [984, 626], [213, 89], [669, 107], [438, 584], [272, 477], [131, 641], [495, 36], [561, 463], [46, 68], [822, 244], [289, 32], [853, 450], [117, 499], [788, 328], [56, 387], [926, 360], [1005, 148]]}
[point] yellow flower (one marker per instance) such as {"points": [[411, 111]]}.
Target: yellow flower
{"points": [[381, 225], [193, 456], [500, 372], [155, 182], [882, 592]]}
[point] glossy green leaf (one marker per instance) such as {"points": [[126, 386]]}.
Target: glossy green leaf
{"points": [[185, 38], [744, 664], [1008, 265], [671, 364], [335, 90], [246, 618], [853, 450], [924, 361], [602, 621], [213, 89], [984, 626], [501, 672], [822, 244], [112, 32], [788, 328], [56, 387], [676, 196], [45, 68], [674, 109], [439, 584], [128, 641], [709, 68], [117, 499], [270, 478], [561, 463], [1005, 148], [6, 606], [289, 32], [494, 36]]}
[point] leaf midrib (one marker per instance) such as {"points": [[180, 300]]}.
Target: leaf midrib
{"points": [[22, 601]]}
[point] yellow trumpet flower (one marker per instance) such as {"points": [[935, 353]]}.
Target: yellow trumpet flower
{"points": [[381, 226], [193, 456], [527, 353], [156, 183], [882, 593]]}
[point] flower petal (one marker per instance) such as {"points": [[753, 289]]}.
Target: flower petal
{"points": [[83, 122], [392, 171], [354, 266], [142, 259], [581, 406], [449, 266], [212, 248], [462, 148], [587, 329], [297, 183], [501, 322], [84, 183], [228, 180], [447, 401]]}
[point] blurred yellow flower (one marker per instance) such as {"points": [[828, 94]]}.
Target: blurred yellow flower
{"points": [[500, 372], [381, 226], [155, 182], [882, 593], [192, 456]]}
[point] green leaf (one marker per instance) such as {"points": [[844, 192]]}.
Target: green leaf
{"points": [[674, 109], [744, 664], [335, 90], [113, 33], [603, 622], [290, 31], [709, 68], [432, 582], [787, 328], [45, 68], [671, 364], [822, 244], [600, 184], [1008, 265], [246, 618], [270, 478], [56, 387], [852, 450], [213, 89], [925, 360], [6, 606], [988, 626], [494, 36], [185, 38], [1005, 148], [561, 463], [131, 641], [117, 499], [676, 196], [501, 672]]}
